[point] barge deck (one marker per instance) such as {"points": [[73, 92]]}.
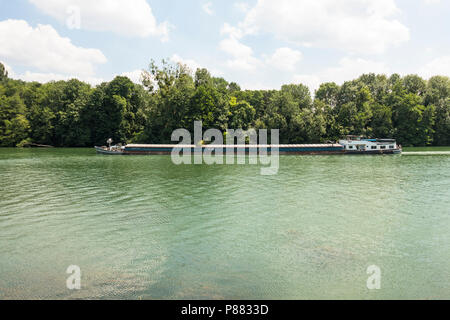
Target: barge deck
{"points": [[291, 149]]}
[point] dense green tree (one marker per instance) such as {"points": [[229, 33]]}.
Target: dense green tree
{"points": [[442, 123], [241, 115], [115, 110], [203, 78], [71, 113], [328, 93], [14, 127], [381, 122], [41, 120], [355, 114], [415, 84], [3, 72], [413, 121], [438, 95], [170, 102], [378, 85], [233, 87], [61, 103]]}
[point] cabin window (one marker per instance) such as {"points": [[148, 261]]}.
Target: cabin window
{"points": [[383, 147], [391, 147], [350, 147], [374, 147]]}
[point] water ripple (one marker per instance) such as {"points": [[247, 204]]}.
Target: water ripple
{"points": [[141, 227]]}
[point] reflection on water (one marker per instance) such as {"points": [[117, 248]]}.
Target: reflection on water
{"points": [[141, 227]]}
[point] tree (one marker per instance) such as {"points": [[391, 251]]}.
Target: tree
{"points": [[208, 106], [353, 112], [378, 85], [62, 104], [171, 102], [413, 121], [71, 113], [328, 93], [116, 110], [233, 87], [438, 95], [41, 120], [14, 126], [381, 122], [203, 78], [3, 72], [242, 115], [308, 126], [438, 90], [300, 94], [442, 123], [415, 84]]}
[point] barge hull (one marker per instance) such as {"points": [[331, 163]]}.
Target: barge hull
{"points": [[242, 150], [154, 153], [374, 152], [237, 150]]}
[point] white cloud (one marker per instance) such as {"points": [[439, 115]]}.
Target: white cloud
{"points": [[432, 1], [47, 77], [42, 48], [191, 64], [235, 48], [348, 69], [207, 8], [242, 55], [124, 17], [242, 6], [134, 76], [356, 26], [438, 66], [313, 82], [194, 65], [258, 85], [233, 32], [285, 59]]}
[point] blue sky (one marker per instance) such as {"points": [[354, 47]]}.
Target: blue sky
{"points": [[261, 44]]}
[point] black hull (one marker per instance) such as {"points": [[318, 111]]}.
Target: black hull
{"points": [[374, 152], [317, 153], [246, 151]]}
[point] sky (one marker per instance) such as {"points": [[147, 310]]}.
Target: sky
{"points": [[260, 44]]}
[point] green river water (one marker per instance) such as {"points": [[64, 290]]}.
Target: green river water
{"points": [[140, 227]]}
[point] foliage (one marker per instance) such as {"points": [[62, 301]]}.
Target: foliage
{"points": [[73, 114]]}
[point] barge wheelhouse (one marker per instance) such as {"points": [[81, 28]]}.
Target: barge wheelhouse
{"points": [[359, 145]]}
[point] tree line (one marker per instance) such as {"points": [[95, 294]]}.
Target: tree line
{"points": [[71, 113]]}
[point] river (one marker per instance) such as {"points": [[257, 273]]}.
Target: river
{"points": [[140, 227]]}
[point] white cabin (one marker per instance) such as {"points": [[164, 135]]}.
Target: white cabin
{"points": [[359, 144]]}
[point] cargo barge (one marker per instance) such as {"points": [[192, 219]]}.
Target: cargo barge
{"points": [[350, 146]]}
